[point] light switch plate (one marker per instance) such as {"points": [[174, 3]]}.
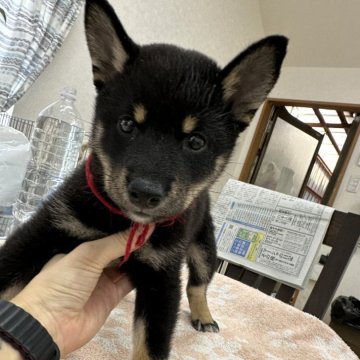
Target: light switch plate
{"points": [[353, 184]]}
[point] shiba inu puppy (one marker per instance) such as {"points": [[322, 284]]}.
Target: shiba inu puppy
{"points": [[166, 123]]}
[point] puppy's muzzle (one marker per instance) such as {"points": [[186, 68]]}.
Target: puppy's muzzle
{"points": [[145, 194]]}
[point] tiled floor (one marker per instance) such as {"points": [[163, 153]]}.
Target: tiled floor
{"points": [[350, 284]]}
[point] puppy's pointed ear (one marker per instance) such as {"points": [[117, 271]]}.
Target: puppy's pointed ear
{"points": [[248, 79], [109, 45]]}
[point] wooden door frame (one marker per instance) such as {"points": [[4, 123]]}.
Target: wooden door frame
{"points": [[262, 127]]}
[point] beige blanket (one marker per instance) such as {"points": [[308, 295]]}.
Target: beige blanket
{"points": [[253, 326]]}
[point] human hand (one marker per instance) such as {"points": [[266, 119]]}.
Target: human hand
{"points": [[73, 295]]}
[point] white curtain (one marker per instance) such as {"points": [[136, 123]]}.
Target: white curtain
{"points": [[34, 30]]}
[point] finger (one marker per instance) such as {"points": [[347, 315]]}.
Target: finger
{"points": [[53, 261], [124, 286], [113, 274], [101, 252], [107, 295]]}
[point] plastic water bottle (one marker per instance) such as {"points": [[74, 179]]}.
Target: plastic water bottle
{"points": [[14, 156], [55, 144]]}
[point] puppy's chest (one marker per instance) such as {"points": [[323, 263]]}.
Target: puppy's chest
{"points": [[161, 257]]}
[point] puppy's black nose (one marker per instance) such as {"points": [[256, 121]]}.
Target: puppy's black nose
{"points": [[145, 193]]}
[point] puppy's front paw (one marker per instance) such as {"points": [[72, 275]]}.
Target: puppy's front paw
{"points": [[210, 327]]}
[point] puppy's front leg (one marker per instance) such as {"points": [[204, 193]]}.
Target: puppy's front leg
{"points": [[201, 258], [157, 304]]}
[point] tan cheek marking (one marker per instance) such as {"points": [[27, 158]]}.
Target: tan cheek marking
{"points": [[194, 191], [219, 165], [11, 292], [189, 124], [198, 304], [120, 184], [140, 351], [139, 114], [104, 159]]}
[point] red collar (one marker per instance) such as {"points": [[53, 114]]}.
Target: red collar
{"points": [[134, 226]]}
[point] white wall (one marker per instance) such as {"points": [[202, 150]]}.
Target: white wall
{"points": [[320, 84], [220, 29], [321, 31], [348, 201]]}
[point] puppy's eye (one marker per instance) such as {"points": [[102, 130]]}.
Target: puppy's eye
{"points": [[195, 142], [126, 125]]}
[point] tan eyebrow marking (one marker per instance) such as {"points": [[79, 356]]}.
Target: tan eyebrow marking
{"points": [[139, 113], [189, 124]]}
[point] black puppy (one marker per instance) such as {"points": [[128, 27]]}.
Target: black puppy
{"points": [[166, 123]]}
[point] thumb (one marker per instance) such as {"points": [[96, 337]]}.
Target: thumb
{"points": [[103, 251]]}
